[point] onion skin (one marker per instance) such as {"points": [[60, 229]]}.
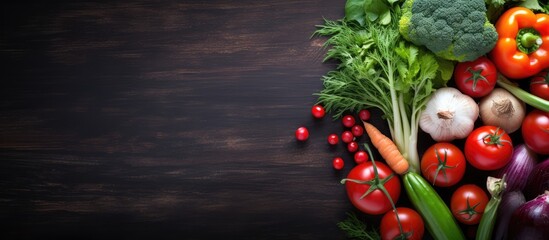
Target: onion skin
{"points": [[501, 108], [509, 203], [518, 169], [538, 181], [531, 219]]}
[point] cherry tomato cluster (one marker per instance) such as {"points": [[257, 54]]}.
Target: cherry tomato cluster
{"points": [[369, 175], [351, 133]]}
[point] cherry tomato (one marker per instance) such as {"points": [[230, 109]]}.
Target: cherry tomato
{"points": [[347, 137], [333, 139], [359, 181], [539, 84], [364, 115], [361, 157], [302, 134], [338, 163], [468, 203], [411, 222], [488, 148], [318, 111], [535, 131], [443, 164], [476, 78], [348, 121], [357, 130], [352, 147]]}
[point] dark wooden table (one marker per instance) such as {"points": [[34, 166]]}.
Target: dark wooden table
{"points": [[167, 120]]}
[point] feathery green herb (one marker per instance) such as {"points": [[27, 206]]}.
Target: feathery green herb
{"points": [[378, 68]]}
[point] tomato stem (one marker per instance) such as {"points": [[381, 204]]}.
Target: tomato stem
{"points": [[376, 184], [470, 210], [495, 138], [476, 75], [442, 166], [402, 234]]}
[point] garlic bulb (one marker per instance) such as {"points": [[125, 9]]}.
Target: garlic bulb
{"points": [[449, 115]]}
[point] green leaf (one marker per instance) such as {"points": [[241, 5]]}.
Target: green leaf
{"points": [[375, 9], [354, 11], [531, 4], [385, 18], [428, 66], [445, 68]]}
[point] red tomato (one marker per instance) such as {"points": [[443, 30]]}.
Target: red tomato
{"points": [[347, 136], [359, 181], [412, 224], [476, 78], [535, 131], [348, 121], [352, 147], [357, 130], [333, 139], [361, 157], [468, 203], [302, 134], [443, 164], [318, 111], [338, 163], [539, 84], [488, 148], [364, 114]]}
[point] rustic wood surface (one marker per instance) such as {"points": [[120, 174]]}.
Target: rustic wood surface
{"points": [[166, 120]]}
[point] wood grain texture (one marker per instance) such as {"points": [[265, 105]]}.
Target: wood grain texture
{"points": [[166, 120]]}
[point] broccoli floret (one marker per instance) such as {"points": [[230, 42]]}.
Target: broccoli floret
{"points": [[456, 30]]}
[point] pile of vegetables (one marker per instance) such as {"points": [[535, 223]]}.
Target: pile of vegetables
{"points": [[473, 75]]}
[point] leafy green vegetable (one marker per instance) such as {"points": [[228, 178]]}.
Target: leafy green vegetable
{"points": [[455, 30], [378, 68], [373, 10], [354, 11], [494, 8], [531, 4]]}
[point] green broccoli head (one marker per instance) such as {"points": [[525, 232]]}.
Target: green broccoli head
{"points": [[455, 30]]}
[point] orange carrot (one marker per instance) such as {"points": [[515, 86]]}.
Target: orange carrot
{"points": [[387, 149]]}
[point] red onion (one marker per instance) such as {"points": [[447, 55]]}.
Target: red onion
{"points": [[531, 219], [519, 168], [538, 181], [509, 203]]}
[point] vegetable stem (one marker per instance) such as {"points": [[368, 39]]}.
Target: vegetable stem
{"points": [[529, 40], [525, 96], [496, 187]]}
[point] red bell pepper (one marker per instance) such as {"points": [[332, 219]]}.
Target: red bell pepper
{"points": [[522, 48]]}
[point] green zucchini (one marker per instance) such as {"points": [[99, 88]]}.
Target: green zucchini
{"points": [[438, 218]]}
